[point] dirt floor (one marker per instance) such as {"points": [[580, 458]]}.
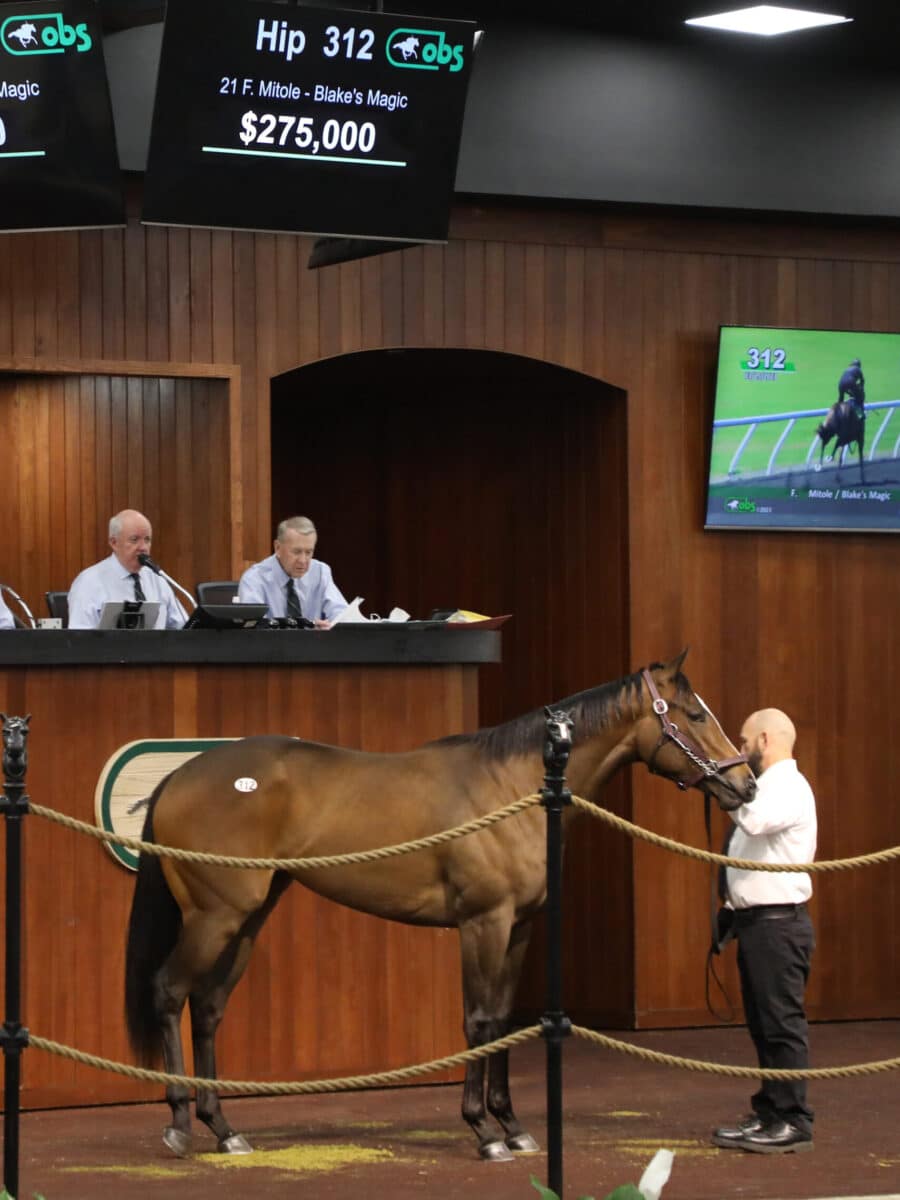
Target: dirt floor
{"points": [[407, 1143]]}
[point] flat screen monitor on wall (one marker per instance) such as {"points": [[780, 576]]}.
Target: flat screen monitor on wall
{"points": [[58, 162], [307, 120], [770, 467]]}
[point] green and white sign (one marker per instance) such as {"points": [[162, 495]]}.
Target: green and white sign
{"points": [[127, 781]]}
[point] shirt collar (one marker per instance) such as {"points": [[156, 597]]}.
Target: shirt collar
{"points": [[784, 766]]}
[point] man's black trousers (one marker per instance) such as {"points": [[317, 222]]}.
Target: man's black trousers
{"points": [[775, 946]]}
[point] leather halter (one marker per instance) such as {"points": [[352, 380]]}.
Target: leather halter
{"points": [[707, 768]]}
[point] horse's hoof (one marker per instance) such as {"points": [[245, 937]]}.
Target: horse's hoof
{"points": [[236, 1144], [523, 1143], [178, 1141], [495, 1152]]}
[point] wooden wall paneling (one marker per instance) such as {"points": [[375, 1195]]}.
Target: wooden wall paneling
{"points": [[179, 279], [90, 285], [370, 303], [80, 447], [200, 297], [221, 284], [7, 292], [638, 307], [25, 287]]}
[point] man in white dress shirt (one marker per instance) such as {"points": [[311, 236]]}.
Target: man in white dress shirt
{"points": [[121, 577], [6, 617], [292, 581], [774, 933]]}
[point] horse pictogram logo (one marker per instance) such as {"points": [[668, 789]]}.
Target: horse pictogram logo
{"points": [[409, 47], [423, 50], [43, 33], [25, 34]]}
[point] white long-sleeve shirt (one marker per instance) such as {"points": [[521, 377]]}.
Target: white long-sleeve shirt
{"points": [[778, 825], [109, 580]]}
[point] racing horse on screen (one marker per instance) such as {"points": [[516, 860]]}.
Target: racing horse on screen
{"points": [[844, 425], [192, 926]]}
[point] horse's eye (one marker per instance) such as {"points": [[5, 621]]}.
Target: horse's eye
{"points": [[696, 715]]}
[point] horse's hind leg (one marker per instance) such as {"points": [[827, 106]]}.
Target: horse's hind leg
{"points": [[499, 1103], [208, 1001], [202, 940], [491, 958]]}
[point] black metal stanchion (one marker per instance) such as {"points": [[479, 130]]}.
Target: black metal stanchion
{"points": [[13, 1038], [556, 1025]]}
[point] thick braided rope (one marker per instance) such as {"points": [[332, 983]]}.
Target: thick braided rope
{"points": [[285, 864], [693, 1064], [656, 839], [436, 839], [355, 1082], [345, 1084]]}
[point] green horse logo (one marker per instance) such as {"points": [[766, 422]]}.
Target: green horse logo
{"points": [[423, 50], [43, 33]]}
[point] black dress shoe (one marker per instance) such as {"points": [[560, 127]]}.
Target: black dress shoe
{"points": [[731, 1136], [781, 1137]]}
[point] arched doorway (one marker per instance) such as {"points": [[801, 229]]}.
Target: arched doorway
{"points": [[487, 481]]}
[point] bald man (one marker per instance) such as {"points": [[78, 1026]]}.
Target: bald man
{"points": [[774, 933], [121, 577]]}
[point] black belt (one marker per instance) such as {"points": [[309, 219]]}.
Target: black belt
{"points": [[763, 912]]}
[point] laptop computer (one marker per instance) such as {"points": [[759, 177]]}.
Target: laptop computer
{"points": [[129, 614]]}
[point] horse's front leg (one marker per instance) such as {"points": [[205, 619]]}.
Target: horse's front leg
{"points": [[499, 1102], [484, 941]]}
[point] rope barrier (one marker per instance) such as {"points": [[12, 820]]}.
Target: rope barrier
{"points": [[290, 864], [383, 1078], [345, 1084], [354, 1082], [657, 839], [693, 1064], [436, 839]]}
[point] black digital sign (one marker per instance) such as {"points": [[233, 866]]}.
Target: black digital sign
{"points": [[307, 120], [58, 164]]}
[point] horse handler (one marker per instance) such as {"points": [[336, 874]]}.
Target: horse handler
{"points": [[774, 933]]}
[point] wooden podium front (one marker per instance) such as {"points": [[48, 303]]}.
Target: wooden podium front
{"points": [[328, 991]]}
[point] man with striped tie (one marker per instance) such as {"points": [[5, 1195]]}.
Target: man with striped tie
{"points": [[122, 577]]}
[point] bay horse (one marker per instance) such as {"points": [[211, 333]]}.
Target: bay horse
{"points": [[192, 926], [845, 424]]}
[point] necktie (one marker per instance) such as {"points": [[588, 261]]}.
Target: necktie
{"points": [[293, 604], [138, 590]]}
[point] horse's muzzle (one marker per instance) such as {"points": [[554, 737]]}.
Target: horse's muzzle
{"points": [[729, 794]]}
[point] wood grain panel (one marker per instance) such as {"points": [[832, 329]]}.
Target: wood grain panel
{"points": [[328, 989], [77, 448], [631, 298]]}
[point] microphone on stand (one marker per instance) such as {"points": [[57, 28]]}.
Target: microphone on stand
{"points": [[4, 587], [146, 561]]}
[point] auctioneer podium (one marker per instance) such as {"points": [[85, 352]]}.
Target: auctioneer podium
{"points": [[328, 991]]}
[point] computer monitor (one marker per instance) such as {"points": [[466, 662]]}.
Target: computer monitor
{"points": [[226, 616]]}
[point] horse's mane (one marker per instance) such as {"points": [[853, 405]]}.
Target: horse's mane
{"points": [[591, 711]]}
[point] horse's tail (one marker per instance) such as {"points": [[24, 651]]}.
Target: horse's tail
{"points": [[153, 929]]}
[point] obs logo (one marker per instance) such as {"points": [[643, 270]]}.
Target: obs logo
{"points": [[422, 50], [43, 33]]}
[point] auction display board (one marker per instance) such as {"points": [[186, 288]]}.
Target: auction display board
{"points": [[58, 162], [307, 120]]}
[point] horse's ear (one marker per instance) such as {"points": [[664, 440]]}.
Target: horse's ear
{"points": [[672, 668]]}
